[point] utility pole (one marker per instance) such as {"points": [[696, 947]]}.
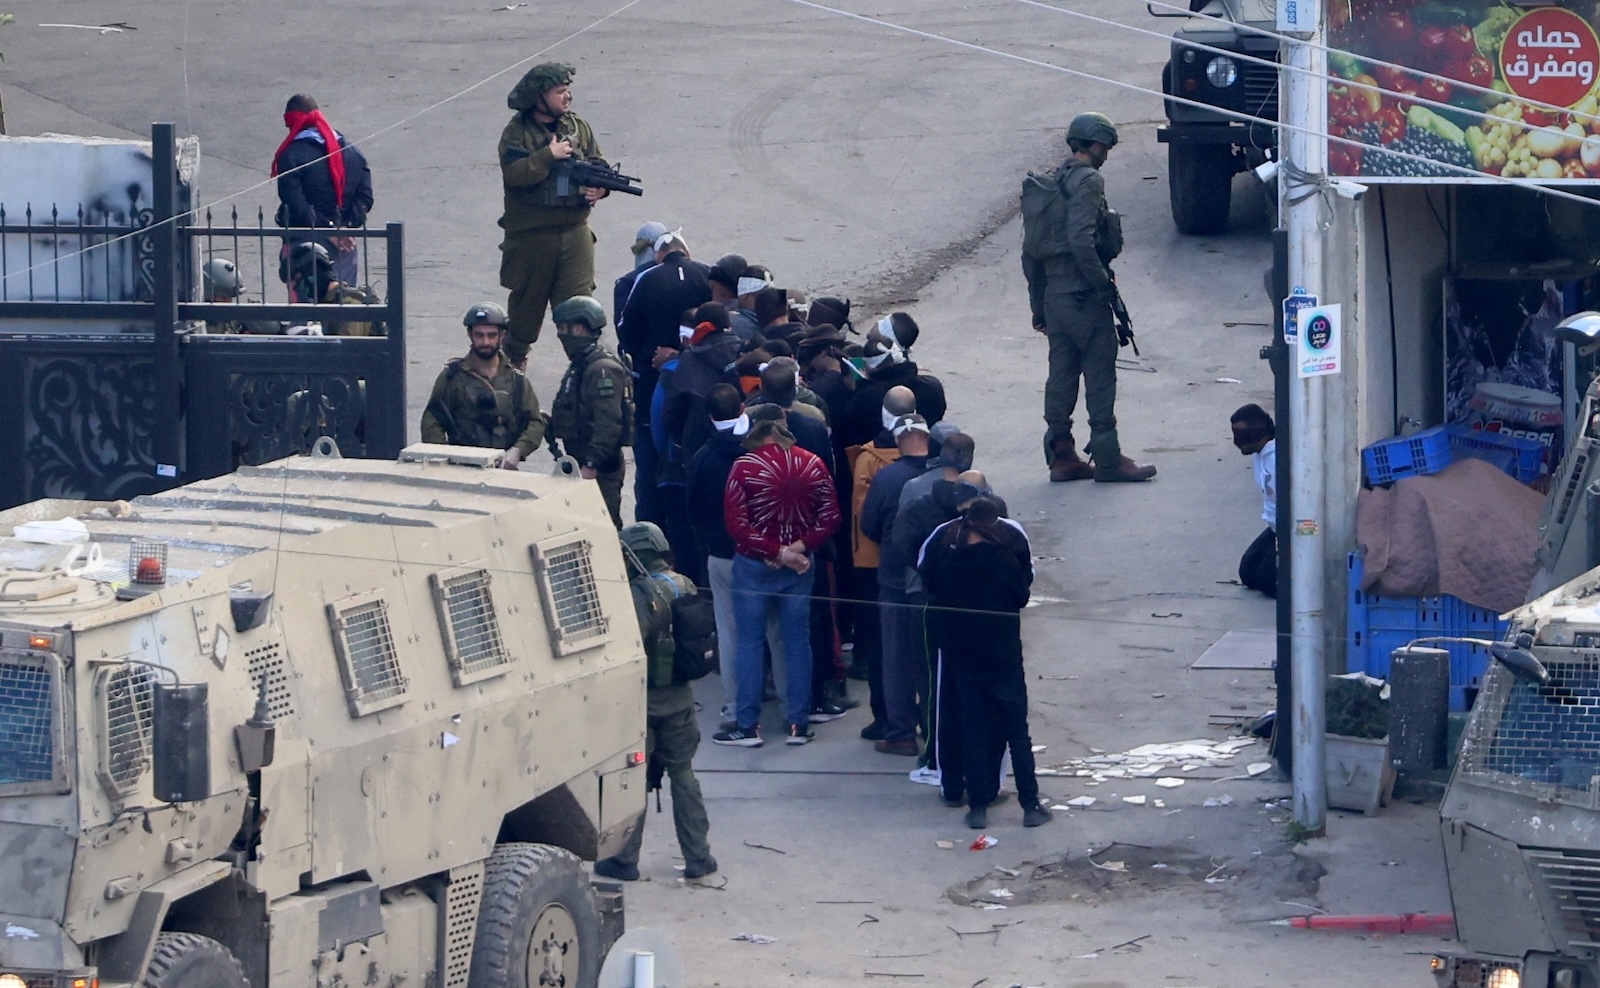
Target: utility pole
{"points": [[1306, 152]]}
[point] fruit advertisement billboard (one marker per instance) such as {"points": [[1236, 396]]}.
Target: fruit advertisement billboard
{"points": [[1498, 89]]}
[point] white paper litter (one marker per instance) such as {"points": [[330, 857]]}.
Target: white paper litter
{"points": [[1214, 801], [1169, 783], [1134, 800], [1256, 768], [989, 906], [1001, 893], [1150, 760], [1082, 802]]}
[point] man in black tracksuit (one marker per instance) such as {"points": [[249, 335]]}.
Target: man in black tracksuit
{"points": [[978, 570], [648, 330]]}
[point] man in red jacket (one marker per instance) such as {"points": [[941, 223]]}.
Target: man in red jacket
{"points": [[780, 507]]}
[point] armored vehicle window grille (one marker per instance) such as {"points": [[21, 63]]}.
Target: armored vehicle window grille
{"points": [[267, 660], [461, 922], [1573, 882], [472, 636], [127, 698], [368, 658], [1544, 738], [571, 595], [28, 734]]}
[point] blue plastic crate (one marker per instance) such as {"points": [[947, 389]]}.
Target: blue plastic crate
{"points": [[1518, 456], [1388, 460], [1377, 625]]}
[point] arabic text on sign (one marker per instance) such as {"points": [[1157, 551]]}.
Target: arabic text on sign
{"points": [[1550, 55]]}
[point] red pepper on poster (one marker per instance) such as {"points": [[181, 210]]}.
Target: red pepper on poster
{"points": [[1435, 89]]}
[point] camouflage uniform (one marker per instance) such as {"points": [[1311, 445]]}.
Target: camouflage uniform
{"points": [[593, 417], [548, 252], [672, 734], [467, 409], [1070, 295]]}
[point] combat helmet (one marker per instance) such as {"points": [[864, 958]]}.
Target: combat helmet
{"points": [[1091, 127], [486, 313], [221, 278], [646, 540], [580, 309], [536, 82]]}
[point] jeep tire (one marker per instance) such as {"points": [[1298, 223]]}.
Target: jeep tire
{"points": [[1200, 185], [538, 922], [188, 960]]}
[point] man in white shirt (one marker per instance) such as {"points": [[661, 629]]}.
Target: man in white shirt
{"points": [[1253, 435]]}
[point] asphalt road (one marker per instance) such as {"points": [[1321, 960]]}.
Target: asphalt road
{"points": [[853, 159]]}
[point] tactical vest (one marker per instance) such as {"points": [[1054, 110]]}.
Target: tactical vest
{"points": [[484, 425], [544, 194], [564, 411]]}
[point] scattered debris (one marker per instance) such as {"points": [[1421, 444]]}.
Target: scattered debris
{"points": [[1214, 801], [1158, 696], [1008, 872], [869, 919], [1168, 782], [1082, 802], [1256, 768], [755, 938], [1109, 865], [1151, 760], [1159, 804], [983, 843], [1134, 800], [1169, 614], [944, 845], [1228, 380], [763, 847], [1001, 893], [1038, 748], [509, 6], [989, 906], [101, 28]]}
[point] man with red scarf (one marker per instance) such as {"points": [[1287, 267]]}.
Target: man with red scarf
{"points": [[323, 181]]}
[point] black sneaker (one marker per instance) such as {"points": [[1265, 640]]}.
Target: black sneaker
{"points": [[617, 869], [872, 732], [799, 734], [700, 869], [739, 737], [952, 801], [978, 817], [824, 712], [1035, 815]]}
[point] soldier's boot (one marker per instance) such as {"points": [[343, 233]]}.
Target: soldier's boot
{"points": [[1065, 463], [1125, 472]]}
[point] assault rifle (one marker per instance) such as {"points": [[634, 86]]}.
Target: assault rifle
{"points": [[572, 173], [1119, 311]]}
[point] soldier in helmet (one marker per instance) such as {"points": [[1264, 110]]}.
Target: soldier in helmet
{"points": [[221, 282], [1071, 294], [481, 399], [593, 410], [672, 734], [548, 252]]}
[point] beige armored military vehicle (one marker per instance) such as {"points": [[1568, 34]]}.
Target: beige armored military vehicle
{"points": [[324, 722]]}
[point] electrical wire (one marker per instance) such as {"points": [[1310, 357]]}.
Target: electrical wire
{"points": [[1321, 180], [197, 210]]}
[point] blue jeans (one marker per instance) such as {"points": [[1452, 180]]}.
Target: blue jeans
{"points": [[756, 589]]}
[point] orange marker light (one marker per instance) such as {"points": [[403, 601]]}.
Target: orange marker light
{"points": [[635, 758], [46, 642]]}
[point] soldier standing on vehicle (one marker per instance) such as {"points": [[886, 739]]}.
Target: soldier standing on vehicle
{"points": [[481, 399], [593, 410], [672, 735], [547, 256], [1069, 242]]}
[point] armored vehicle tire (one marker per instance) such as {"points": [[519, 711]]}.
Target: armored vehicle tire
{"points": [[188, 960], [1200, 185], [538, 924]]}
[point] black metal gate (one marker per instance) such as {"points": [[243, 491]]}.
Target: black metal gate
{"points": [[105, 390]]}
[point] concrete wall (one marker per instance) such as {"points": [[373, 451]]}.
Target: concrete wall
{"points": [[71, 180]]}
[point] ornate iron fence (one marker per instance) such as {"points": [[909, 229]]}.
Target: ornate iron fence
{"points": [[119, 376]]}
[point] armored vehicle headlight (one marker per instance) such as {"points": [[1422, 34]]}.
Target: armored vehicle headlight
{"points": [[1503, 977], [12, 981], [1222, 72]]}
